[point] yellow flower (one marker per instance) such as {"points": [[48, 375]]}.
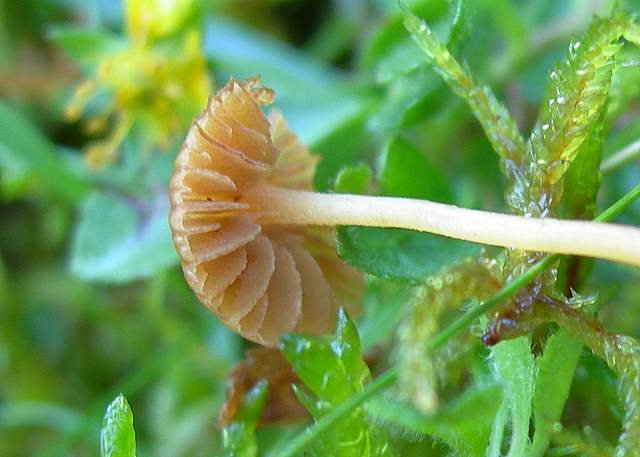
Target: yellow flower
{"points": [[157, 85]]}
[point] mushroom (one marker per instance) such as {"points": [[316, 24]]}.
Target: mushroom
{"points": [[256, 244]]}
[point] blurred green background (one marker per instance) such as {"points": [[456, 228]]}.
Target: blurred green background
{"points": [[92, 301]]}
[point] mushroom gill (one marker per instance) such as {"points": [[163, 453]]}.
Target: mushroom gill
{"points": [[260, 278]]}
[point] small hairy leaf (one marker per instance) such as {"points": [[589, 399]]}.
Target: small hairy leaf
{"points": [[515, 369], [464, 423], [118, 437], [238, 436], [573, 104]]}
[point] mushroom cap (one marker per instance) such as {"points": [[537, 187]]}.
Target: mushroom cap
{"points": [[261, 280]]}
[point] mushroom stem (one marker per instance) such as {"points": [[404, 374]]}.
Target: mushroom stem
{"points": [[590, 239]]}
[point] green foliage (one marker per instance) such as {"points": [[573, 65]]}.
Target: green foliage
{"points": [[496, 120], [574, 100], [515, 369], [333, 371], [554, 373], [25, 150], [92, 301], [464, 423], [136, 247], [353, 180], [238, 436], [399, 255], [85, 46], [117, 437], [398, 162], [396, 254]]}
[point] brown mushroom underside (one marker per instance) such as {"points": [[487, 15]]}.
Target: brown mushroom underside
{"points": [[261, 281]]}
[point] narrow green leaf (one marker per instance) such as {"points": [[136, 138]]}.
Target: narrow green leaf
{"points": [[582, 180], [117, 240], [238, 437], [555, 369], [118, 437], [23, 143], [515, 369], [574, 101]]}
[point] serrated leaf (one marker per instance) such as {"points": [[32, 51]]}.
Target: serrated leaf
{"points": [[238, 436], [575, 96], [464, 423], [118, 437], [515, 369], [24, 146], [118, 240]]}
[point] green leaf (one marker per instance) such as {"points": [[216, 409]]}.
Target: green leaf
{"points": [[346, 145], [464, 423], [555, 369], [409, 98], [238, 437], [405, 172], [119, 240], [118, 437], [399, 255], [515, 369], [14, 174], [353, 180], [403, 58], [26, 148], [85, 46], [333, 370], [582, 180]]}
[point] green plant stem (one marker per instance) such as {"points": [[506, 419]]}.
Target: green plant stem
{"points": [[621, 157], [386, 379], [619, 206]]}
